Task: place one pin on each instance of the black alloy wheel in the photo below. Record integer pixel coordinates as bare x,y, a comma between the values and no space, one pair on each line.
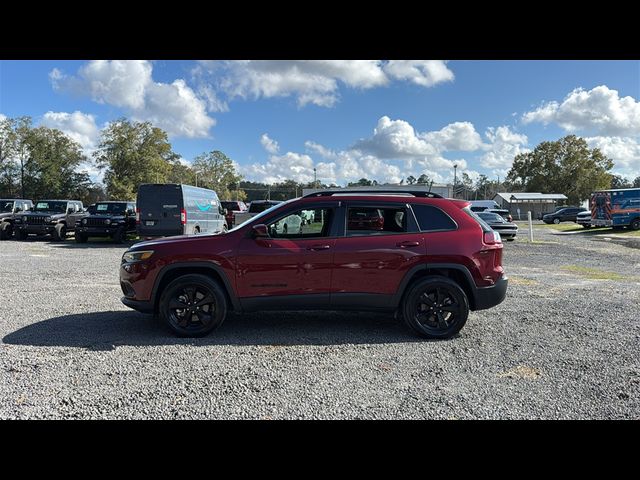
635,225
193,305
436,307
556,220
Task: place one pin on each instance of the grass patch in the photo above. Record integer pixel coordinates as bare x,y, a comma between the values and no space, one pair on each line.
593,273
561,227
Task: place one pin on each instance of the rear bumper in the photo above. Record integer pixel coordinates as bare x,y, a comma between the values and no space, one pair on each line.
487,297
142,307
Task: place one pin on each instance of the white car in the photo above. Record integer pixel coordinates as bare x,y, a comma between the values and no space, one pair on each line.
290,224
584,219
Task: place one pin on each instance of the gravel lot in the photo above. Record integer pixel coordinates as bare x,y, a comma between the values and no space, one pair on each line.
564,344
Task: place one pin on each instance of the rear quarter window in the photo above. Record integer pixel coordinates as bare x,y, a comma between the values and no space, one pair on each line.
432,218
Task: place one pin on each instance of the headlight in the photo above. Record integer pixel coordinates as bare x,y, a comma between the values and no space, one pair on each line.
136,256
48,220
24,219
84,221
107,222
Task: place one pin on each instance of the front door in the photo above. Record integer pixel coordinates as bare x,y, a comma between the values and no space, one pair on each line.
293,264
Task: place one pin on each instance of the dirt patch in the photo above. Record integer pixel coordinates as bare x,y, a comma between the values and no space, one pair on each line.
521,371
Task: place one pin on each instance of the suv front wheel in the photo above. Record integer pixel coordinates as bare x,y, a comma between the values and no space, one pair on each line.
193,305
435,307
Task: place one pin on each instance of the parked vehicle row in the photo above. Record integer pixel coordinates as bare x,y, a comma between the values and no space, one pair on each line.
10,209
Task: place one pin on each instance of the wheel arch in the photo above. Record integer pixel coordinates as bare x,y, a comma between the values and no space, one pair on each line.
173,271
458,273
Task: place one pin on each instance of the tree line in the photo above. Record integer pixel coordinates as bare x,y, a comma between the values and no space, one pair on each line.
40,162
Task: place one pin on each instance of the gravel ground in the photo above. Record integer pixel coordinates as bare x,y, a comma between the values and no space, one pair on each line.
564,344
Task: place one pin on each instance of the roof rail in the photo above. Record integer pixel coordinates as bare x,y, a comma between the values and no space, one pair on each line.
347,191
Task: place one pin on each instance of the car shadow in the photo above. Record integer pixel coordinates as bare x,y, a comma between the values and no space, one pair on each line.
107,330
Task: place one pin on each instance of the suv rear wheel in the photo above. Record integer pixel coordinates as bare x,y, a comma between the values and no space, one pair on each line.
556,220
435,307
81,238
120,235
635,225
193,305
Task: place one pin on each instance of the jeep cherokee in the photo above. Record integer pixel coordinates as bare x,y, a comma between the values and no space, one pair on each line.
428,258
49,217
113,219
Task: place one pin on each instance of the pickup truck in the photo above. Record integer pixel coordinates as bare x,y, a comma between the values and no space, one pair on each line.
256,207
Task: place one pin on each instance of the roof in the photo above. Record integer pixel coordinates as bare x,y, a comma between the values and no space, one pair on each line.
509,196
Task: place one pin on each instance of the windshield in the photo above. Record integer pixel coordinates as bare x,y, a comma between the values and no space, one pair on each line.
491,217
108,208
262,214
56,207
6,207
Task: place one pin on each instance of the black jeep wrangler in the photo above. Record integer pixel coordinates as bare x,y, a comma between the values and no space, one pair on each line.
49,217
107,219
9,209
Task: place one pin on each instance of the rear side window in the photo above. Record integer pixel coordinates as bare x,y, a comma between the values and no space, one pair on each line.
432,218
376,221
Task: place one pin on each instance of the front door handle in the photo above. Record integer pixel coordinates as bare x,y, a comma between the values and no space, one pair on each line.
407,244
314,248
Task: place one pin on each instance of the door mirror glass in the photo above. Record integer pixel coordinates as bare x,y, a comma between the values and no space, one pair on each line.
260,231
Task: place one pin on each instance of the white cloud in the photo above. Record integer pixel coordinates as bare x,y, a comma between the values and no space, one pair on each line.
314,81
395,139
624,151
600,110
269,145
503,146
460,136
128,84
278,168
426,73
80,127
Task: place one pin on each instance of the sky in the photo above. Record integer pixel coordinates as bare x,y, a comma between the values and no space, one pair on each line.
379,119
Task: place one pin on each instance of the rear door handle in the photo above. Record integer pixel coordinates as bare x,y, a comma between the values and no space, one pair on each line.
319,247
407,244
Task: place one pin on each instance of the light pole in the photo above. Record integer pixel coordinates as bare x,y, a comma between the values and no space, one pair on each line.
455,178
315,178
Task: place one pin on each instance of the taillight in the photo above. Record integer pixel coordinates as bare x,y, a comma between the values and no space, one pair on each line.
491,238
137,216
183,216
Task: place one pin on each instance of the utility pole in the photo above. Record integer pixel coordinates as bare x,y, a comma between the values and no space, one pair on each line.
455,178
315,178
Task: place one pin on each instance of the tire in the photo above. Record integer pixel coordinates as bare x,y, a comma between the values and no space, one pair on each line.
424,295
20,235
196,230
60,233
6,231
120,235
186,290
586,226
635,225
81,238
510,239
556,220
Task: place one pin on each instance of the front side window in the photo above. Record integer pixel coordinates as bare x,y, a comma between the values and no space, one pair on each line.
376,220
307,223
6,207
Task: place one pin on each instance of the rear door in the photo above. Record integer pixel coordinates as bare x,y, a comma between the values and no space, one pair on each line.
160,207
381,244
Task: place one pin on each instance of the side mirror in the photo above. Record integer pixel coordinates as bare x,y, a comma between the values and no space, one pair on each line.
260,231
18,209
70,210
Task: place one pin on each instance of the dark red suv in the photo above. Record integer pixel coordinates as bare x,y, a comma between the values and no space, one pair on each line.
429,258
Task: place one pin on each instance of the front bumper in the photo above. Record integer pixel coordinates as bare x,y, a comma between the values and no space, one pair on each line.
45,229
140,306
487,297
97,231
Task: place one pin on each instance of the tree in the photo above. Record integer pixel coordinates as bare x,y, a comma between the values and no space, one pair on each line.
618,181
9,171
50,168
566,166
132,154
424,179
363,182
218,173
636,182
